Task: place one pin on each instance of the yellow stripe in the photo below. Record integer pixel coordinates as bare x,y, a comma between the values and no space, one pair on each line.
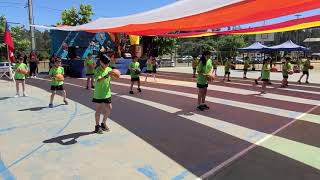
289,28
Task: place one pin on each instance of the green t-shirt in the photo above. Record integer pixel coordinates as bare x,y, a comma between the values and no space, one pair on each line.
102,88
227,66
265,74
112,63
54,71
134,66
202,71
195,63
149,66
246,64
286,68
306,66
17,74
87,62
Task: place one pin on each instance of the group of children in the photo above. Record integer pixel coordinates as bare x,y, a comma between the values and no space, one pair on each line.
100,77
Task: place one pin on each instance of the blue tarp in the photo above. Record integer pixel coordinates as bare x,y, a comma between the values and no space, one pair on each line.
287,46
254,47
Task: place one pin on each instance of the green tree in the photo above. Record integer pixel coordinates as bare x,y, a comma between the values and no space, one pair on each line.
164,45
18,34
73,17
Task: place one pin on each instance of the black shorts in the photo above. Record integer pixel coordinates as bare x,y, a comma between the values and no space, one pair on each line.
149,71
202,86
215,69
112,67
264,79
106,101
305,72
20,79
154,70
89,74
227,73
57,88
245,70
135,79
285,77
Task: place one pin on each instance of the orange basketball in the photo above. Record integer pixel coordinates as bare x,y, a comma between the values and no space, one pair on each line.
115,74
274,69
59,77
311,67
210,77
23,71
92,66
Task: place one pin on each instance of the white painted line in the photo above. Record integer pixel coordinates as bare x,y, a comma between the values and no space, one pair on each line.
243,105
295,150
245,92
289,145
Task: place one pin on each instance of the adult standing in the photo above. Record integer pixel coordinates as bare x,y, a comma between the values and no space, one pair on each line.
33,64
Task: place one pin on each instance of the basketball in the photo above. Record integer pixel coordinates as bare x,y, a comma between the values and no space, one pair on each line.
59,77
23,71
311,67
92,66
210,77
115,74
274,69
137,71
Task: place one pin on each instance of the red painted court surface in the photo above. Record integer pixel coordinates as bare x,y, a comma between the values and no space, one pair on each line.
244,135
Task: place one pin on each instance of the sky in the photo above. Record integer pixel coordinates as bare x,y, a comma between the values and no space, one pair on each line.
47,12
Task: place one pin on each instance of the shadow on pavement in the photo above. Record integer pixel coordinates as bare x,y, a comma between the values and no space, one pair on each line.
71,138
38,108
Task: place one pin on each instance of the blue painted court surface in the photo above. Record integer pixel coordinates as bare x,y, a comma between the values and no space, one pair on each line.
158,134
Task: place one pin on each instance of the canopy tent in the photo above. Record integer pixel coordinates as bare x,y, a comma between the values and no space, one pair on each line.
296,24
288,46
195,15
257,46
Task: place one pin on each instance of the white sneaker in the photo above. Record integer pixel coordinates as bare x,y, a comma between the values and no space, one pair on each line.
17,95
25,95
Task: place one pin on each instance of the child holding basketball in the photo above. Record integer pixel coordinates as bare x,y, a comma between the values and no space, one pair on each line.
21,70
134,68
56,74
305,69
195,63
246,66
102,93
90,65
265,74
286,70
204,70
149,68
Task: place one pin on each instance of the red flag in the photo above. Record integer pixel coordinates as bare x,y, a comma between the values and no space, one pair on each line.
9,42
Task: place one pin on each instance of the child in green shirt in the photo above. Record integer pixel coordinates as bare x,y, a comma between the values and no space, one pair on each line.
227,66
246,66
265,74
286,69
90,65
134,68
56,84
20,77
204,69
305,69
215,65
195,63
150,68
102,93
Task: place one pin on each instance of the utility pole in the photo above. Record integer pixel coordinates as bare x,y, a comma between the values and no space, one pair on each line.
30,12
297,38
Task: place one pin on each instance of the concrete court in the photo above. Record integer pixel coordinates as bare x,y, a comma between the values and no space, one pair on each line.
159,135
